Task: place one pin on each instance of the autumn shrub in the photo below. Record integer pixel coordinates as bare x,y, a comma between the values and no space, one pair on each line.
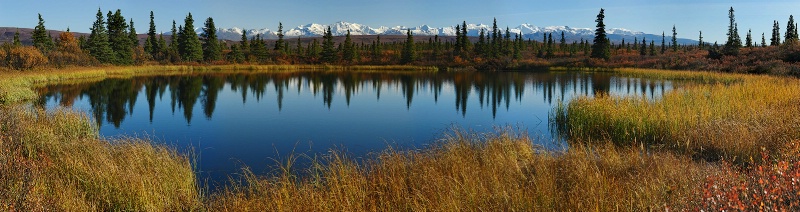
24,57
771,186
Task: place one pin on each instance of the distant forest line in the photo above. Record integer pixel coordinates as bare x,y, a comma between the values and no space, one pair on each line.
113,40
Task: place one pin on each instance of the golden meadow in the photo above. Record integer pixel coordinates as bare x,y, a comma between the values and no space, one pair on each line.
715,143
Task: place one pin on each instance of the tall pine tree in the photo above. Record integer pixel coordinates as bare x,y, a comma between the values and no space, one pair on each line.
41,39
212,50
408,55
791,32
151,44
98,45
349,51
600,47
734,42
280,42
189,45
748,40
329,54
776,34
674,39
119,38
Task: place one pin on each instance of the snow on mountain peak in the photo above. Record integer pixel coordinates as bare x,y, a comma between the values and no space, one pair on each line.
340,28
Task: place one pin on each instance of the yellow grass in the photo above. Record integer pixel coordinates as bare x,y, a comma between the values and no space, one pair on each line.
54,161
477,172
735,118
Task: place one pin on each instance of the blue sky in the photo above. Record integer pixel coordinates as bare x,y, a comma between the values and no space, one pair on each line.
689,16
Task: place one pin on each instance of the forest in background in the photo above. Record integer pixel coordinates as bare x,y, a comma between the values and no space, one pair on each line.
114,41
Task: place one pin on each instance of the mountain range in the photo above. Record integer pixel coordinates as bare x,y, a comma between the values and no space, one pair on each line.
528,31
309,31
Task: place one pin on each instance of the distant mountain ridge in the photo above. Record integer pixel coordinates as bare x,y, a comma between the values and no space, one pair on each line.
529,31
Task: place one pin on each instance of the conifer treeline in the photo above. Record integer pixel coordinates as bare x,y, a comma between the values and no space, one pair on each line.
113,40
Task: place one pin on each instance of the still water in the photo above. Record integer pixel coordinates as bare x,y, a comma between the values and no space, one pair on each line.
233,120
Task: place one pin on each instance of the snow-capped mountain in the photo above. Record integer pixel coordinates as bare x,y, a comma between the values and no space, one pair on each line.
528,31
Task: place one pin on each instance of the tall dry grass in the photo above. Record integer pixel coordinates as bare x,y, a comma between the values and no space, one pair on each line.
735,119
54,161
476,172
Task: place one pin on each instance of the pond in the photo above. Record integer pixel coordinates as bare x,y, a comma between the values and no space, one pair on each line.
252,119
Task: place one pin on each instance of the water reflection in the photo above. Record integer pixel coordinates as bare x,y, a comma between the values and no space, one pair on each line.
248,118
114,99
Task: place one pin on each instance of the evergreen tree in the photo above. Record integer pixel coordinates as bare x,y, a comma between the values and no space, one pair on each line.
643,47
776,38
16,41
313,49
119,38
479,48
299,48
408,55
151,44
518,44
763,40
663,44
134,38
189,45
791,32
550,47
652,48
377,49
279,43
700,42
674,39
749,40
243,45
212,50
348,53
173,38
495,46
162,47
563,42
600,47
465,43
458,44
734,42
98,45
41,39
329,54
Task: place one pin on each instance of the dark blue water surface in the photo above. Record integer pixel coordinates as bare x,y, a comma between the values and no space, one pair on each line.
232,120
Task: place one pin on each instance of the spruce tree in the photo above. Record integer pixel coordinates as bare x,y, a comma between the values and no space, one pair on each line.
16,41
791,36
776,37
189,45
465,43
763,40
749,40
119,38
313,49
674,39
563,42
663,44
151,44
652,48
243,43
212,50
643,47
329,54
700,42
41,39
134,38
98,45
348,53
479,48
458,47
408,55
280,42
734,42
600,47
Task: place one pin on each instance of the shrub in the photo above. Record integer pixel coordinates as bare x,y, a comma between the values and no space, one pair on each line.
24,57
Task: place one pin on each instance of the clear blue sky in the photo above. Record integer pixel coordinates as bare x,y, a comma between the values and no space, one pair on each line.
690,16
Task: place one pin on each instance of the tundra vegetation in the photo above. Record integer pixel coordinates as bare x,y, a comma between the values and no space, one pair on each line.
724,142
